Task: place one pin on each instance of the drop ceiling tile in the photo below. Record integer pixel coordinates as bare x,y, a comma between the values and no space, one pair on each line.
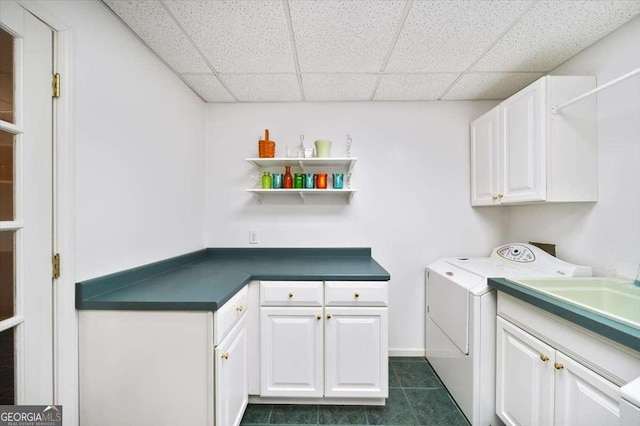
263,87
338,87
344,36
489,85
413,87
153,25
238,36
553,31
208,87
447,36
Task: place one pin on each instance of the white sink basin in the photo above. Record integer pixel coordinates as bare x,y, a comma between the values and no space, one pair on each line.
614,298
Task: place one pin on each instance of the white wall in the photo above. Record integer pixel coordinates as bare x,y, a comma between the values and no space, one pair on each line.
139,136
606,234
412,176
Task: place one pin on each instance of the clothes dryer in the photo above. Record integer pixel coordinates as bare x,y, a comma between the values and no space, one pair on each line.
461,320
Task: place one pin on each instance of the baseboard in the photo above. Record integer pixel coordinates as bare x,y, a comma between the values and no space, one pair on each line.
408,352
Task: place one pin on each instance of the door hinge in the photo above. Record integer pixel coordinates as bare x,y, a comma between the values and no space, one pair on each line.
55,85
55,263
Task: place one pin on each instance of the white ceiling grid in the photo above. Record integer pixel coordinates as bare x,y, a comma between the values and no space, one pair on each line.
360,50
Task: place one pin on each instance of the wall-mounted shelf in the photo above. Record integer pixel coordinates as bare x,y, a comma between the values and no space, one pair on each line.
345,163
312,165
348,193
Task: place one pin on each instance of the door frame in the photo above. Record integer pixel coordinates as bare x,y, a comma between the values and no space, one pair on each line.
65,317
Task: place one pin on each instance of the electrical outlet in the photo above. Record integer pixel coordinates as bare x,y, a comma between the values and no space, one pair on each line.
253,236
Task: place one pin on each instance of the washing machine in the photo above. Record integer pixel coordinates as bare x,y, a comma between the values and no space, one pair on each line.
461,320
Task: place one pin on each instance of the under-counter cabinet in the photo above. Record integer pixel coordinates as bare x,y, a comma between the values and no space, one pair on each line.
538,385
523,153
164,367
326,341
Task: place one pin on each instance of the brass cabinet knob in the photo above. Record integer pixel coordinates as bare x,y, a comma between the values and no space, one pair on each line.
494,198
328,316
544,357
290,295
318,317
356,294
239,308
225,355
500,196
558,366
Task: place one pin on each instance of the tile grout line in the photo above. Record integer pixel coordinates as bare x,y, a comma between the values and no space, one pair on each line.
392,46
482,55
294,49
195,46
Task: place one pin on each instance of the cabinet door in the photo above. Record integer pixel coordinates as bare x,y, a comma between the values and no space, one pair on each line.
583,397
291,341
232,384
484,159
356,352
524,377
523,145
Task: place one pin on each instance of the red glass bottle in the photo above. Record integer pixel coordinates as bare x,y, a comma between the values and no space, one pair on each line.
288,179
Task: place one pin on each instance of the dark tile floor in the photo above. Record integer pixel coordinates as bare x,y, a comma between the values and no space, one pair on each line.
416,397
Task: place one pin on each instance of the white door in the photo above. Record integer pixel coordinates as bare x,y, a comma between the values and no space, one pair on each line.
291,348
584,398
356,359
524,377
232,382
26,214
484,159
523,145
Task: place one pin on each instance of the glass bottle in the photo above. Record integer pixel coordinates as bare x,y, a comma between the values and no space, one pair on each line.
266,180
288,179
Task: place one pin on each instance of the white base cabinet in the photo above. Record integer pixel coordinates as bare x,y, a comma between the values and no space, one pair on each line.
334,347
522,153
151,368
291,351
538,385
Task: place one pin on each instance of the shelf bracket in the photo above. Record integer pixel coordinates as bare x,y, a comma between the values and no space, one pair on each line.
301,197
257,194
301,164
350,197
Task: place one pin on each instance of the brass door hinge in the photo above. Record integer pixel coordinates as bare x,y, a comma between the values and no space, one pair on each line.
55,263
55,84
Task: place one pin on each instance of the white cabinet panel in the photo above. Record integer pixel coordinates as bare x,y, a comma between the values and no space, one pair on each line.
484,158
356,352
291,293
291,341
584,398
524,380
356,293
524,145
232,393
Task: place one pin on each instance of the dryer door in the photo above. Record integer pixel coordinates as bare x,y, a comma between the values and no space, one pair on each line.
448,303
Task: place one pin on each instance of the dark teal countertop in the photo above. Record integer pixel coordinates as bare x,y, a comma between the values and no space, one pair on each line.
614,330
206,279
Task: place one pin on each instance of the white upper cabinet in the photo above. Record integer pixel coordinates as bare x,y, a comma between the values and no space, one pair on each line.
522,153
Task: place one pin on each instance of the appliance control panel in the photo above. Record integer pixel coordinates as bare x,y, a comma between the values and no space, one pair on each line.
516,253
535,258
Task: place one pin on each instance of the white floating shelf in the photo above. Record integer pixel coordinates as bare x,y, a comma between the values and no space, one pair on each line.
346,163
303,192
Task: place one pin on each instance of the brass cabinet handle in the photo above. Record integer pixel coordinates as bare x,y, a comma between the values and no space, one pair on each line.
328,316
558,366
544,358
318,317
290,295
225,355
239,308
356,294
